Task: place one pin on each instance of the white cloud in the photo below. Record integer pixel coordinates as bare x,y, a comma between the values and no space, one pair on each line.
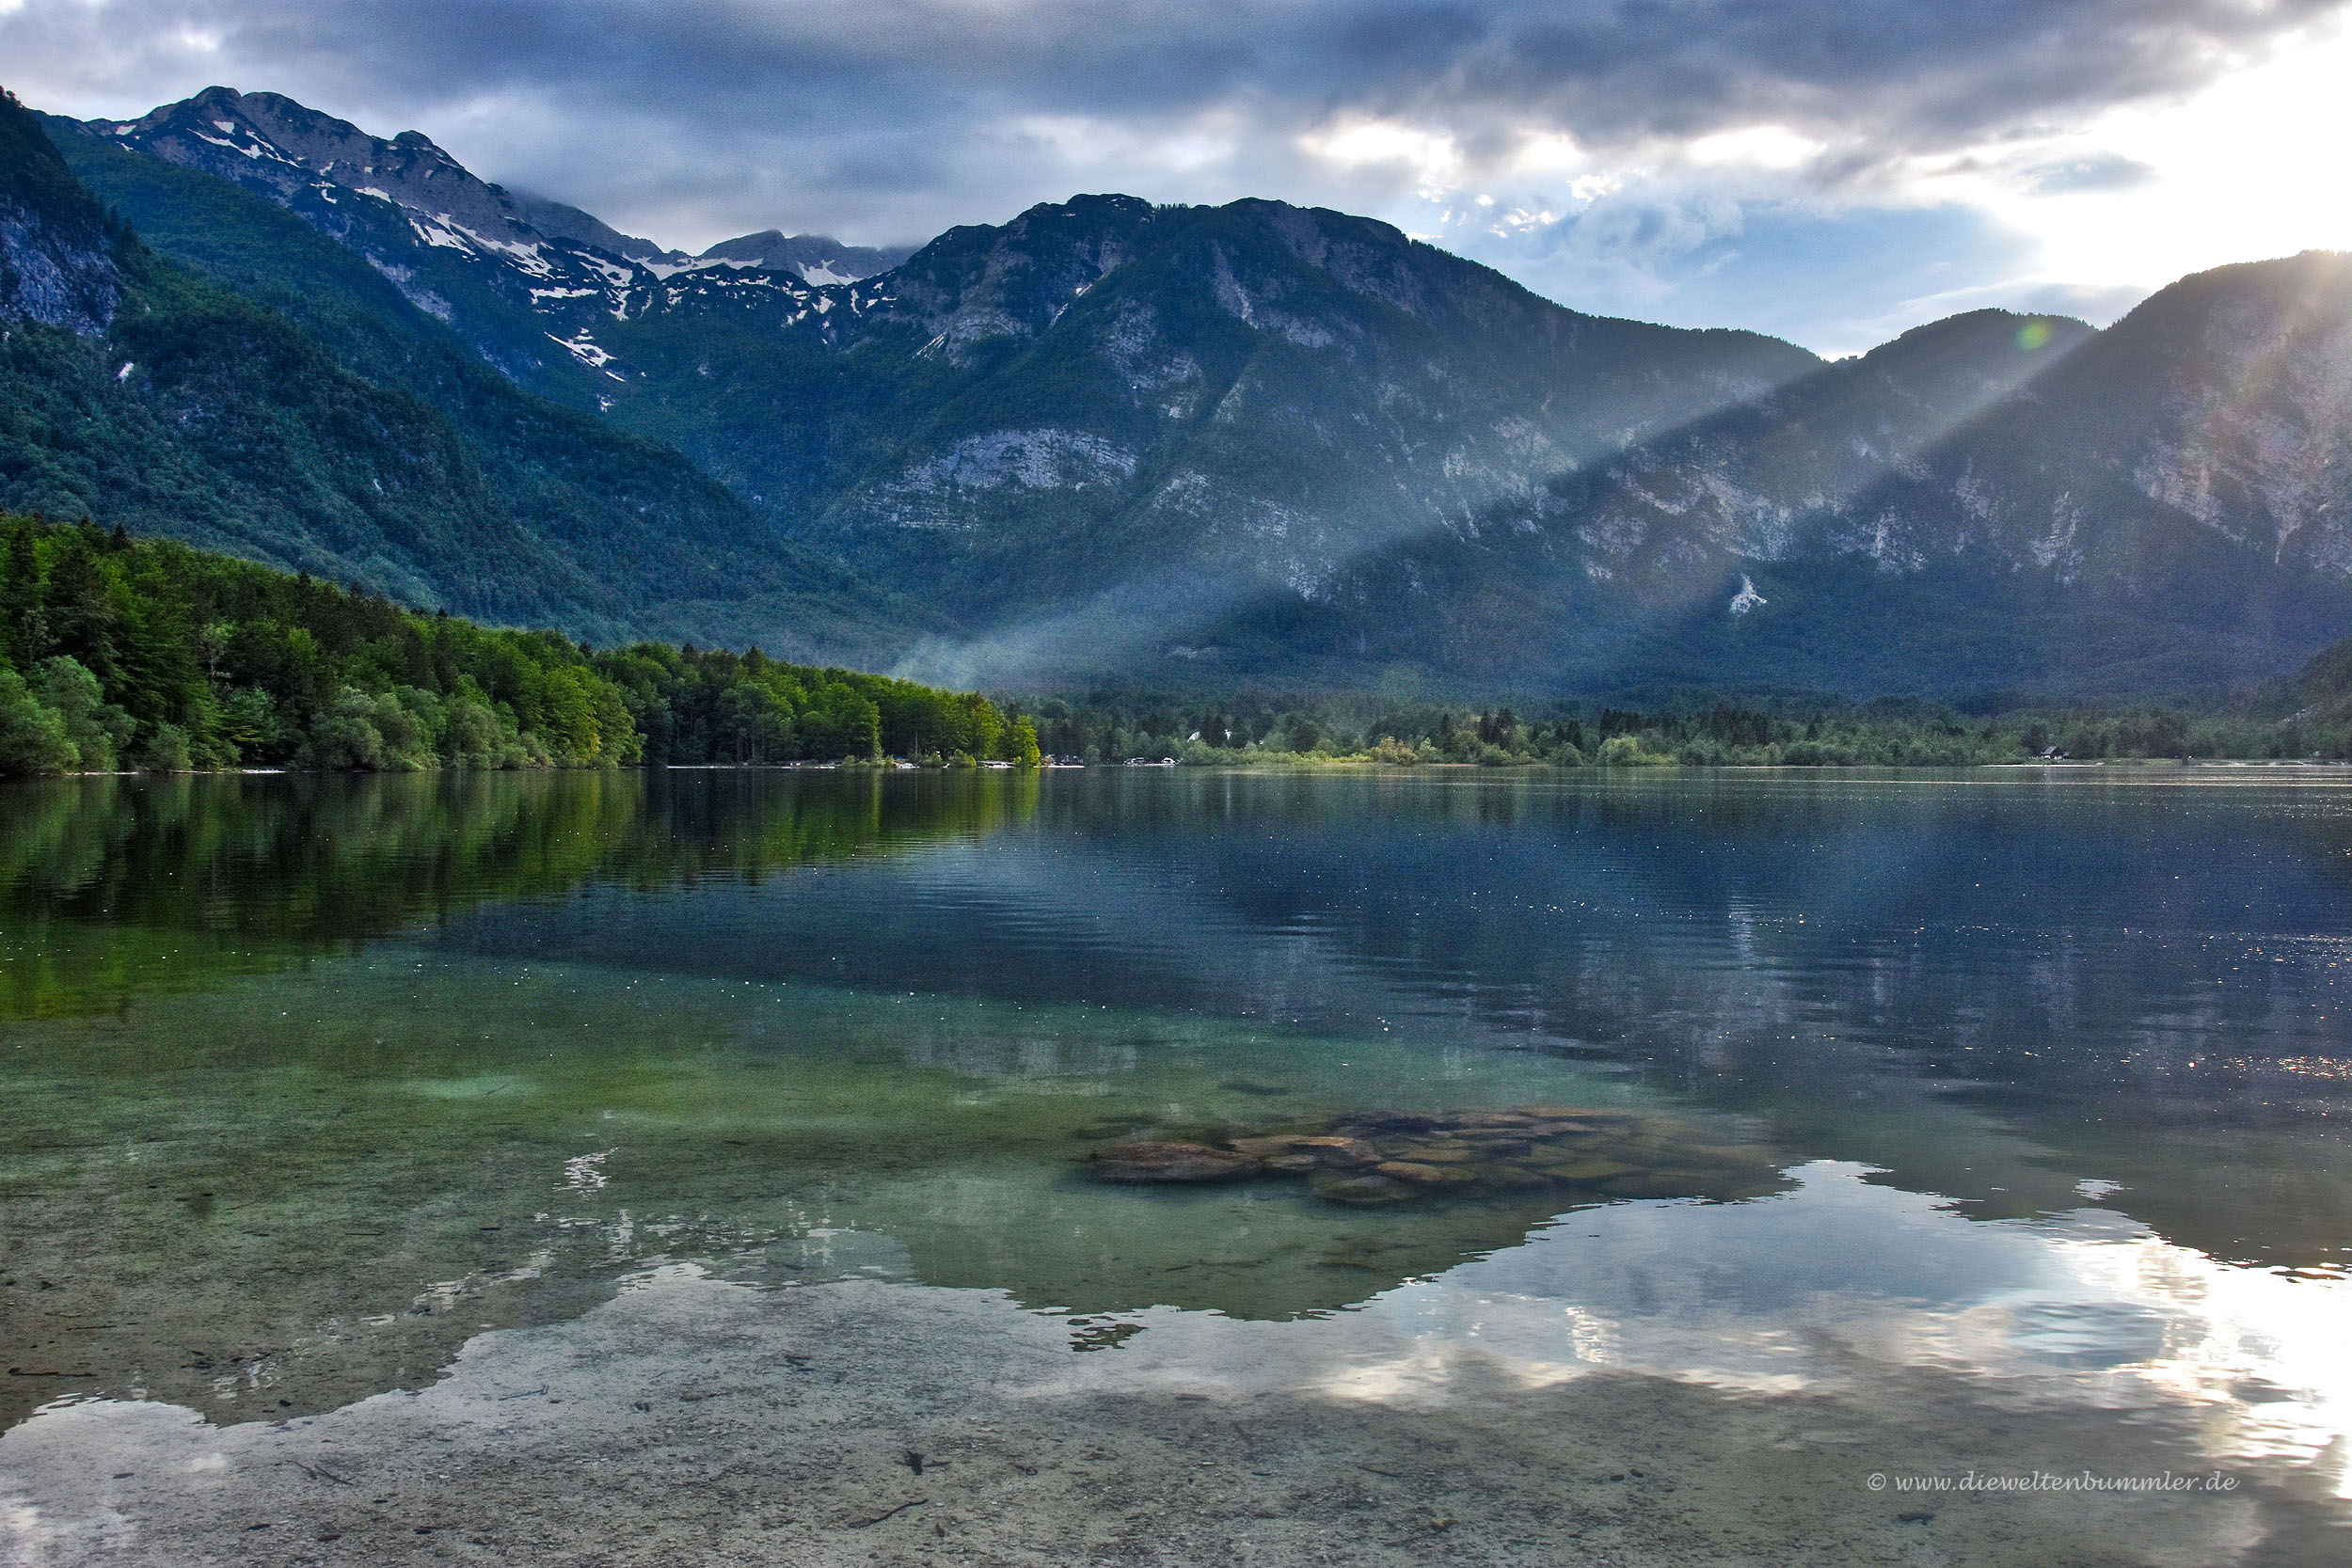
1430,161
2250,166
1761,147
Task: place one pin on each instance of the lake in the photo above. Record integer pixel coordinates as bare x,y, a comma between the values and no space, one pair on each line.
1668,1167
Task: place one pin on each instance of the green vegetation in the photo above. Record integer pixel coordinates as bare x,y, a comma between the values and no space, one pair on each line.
117,652
722,707
2310,718
129,653
145,653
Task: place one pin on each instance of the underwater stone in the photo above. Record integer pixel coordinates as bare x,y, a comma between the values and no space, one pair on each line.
1363,1192
1171,1162
1422,1175
1368,1158
1340,1154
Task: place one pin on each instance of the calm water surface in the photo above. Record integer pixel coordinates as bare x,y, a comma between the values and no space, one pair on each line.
308,1081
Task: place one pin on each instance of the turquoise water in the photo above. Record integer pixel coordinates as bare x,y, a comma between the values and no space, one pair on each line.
310,1081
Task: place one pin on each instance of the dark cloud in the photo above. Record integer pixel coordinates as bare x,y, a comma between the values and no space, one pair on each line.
889,119
1901,73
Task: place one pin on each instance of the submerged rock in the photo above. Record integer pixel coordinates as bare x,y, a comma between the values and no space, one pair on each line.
1422,1175
1359,1192
1286,1150
1368,1158
1170,1162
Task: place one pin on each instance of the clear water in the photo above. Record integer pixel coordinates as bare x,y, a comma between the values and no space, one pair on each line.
310,1082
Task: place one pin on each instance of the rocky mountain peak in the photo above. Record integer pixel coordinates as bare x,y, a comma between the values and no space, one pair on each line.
813,257
2227,396
560,220
269,141
530,281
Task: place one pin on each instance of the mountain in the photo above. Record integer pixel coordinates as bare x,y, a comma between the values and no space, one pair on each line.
1988,503
1182,445
1072,435
527,281
813,257
135,393
352,436
1082,431
455,248
559,220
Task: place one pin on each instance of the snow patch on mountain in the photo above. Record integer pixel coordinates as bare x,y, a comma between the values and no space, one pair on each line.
588,352
562,265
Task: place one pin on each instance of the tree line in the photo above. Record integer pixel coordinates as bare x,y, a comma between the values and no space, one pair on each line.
121,653
143,653
2298,721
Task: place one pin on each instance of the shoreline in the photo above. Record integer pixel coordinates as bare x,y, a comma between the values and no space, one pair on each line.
892,765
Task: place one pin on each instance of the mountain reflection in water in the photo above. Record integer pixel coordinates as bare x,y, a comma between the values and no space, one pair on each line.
311,1079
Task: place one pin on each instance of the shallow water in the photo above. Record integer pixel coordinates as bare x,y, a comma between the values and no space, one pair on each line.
316,1088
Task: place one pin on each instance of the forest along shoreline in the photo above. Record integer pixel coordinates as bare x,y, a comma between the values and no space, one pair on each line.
120,654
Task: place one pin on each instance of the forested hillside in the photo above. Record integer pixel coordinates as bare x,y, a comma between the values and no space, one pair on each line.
121,652
286,403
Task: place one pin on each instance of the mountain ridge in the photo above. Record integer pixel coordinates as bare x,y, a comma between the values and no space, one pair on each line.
1109,439
59,251
1020,389
524,277
816,258
2030,542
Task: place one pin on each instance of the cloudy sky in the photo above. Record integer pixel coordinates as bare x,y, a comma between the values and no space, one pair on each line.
1831,171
